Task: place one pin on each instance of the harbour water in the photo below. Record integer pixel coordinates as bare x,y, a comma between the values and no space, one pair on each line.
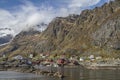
75,73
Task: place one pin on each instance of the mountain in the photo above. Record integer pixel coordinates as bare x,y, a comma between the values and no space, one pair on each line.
94,31
6,34
5,39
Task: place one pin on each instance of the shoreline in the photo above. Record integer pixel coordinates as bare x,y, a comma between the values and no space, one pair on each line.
56,71
95,66
87,66
33,70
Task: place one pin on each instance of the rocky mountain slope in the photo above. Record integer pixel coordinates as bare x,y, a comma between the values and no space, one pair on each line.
94,31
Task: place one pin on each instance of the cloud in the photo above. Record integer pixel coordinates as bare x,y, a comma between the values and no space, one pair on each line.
28,15
83,3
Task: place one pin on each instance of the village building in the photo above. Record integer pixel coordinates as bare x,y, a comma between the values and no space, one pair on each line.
18,57
81,59
31,56
92,57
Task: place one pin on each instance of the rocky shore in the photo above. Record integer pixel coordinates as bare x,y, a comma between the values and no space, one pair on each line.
41,70
34,71
109,64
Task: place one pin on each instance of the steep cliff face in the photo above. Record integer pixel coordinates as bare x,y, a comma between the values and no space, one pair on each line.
108,34
82,33
94,31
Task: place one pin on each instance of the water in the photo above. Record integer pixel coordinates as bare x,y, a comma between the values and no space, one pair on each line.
10,75
78,73
84,74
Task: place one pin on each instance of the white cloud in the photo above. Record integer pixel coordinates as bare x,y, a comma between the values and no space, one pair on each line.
28,15
6,32
82,3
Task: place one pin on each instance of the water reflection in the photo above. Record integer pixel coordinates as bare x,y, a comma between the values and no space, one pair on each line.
78,73
84,74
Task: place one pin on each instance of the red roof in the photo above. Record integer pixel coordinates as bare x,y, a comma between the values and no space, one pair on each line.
61,61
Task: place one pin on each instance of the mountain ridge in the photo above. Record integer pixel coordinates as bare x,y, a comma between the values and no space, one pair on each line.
92,32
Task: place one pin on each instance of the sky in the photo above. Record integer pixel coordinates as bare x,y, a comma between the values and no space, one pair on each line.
22,14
